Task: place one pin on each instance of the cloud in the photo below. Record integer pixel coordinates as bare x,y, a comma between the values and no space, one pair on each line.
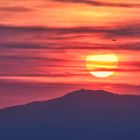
14,9
72,71
58,46
39,51
132,30
123,31
20,29
23,45
99,3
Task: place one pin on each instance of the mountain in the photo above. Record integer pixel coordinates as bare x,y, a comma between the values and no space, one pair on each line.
79,115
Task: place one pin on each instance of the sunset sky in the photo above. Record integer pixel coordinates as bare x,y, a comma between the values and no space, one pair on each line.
44,45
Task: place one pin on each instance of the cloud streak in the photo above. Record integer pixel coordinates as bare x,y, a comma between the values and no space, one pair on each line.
14,9
71,46
100,3
129,30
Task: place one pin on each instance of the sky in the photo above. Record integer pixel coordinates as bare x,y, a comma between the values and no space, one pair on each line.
44,45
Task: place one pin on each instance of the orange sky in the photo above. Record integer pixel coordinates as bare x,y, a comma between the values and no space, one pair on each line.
66,13
47,41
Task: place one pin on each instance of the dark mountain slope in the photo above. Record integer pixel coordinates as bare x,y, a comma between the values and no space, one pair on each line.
80,115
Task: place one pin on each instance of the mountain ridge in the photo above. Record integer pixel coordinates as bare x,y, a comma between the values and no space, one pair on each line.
79,92
78,115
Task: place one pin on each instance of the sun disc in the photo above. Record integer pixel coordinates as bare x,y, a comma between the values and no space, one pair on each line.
102,65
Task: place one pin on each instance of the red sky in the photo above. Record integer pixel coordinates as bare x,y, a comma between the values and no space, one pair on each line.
44,45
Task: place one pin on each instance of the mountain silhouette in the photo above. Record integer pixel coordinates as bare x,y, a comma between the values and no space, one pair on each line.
79,115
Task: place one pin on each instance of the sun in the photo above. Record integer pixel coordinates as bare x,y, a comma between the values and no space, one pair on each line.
102,65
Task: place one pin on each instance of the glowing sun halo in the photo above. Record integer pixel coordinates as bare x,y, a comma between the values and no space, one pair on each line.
102,65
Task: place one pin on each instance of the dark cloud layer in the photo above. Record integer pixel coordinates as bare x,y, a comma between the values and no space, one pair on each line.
99,3
130,30
71,46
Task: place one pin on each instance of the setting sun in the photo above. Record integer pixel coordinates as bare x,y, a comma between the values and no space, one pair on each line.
102,65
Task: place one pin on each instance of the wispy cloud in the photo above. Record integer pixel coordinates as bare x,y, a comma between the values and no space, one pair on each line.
14,9
100,3
125,30
62,36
